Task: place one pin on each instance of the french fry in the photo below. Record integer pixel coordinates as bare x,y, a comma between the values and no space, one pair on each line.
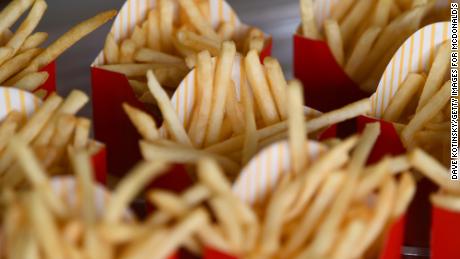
233,111
26,28
139,37
174,126
361,50
197,20
406,92
197,42
222,79
250,133
17,63
278,85
297,129
111,50
31,81
433,107
34,41
166,20
127,50
82,132
205,81
341,9
226,31
435,78
259,85
446,201
146,55
309,28
153,35
334,40
143,122
11,13
63,43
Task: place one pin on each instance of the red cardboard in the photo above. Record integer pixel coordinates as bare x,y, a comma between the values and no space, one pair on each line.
392,245
445,238
99,161
326,85
210,253
111,124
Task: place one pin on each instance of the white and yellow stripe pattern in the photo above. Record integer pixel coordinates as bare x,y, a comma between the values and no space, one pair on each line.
265,170
18,100
415,55
135,12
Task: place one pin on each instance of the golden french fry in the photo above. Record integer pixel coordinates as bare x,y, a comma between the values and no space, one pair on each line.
166,23
32,81
175,128
405,193
139,87
63,43
185,155
433,170
428,112
259,85
296,127
222,77
153,34
82,131
334,40
197,42
250,131
11,13
436,76
233,111
309,28
15,64
143,122
278,84
197,20
127,51
130,187
382,13
139,37
34,41
111,50
145,55
446,201
226,31
385,201
341,8
205,82
349,24
361,51
305,227
349,238
28,25
133,70
406,92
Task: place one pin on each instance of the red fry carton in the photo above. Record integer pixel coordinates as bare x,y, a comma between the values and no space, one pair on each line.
327,85
445,227
415,55
111,89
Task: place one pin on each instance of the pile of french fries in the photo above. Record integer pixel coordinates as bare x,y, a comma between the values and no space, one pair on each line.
21,52
229,129
168,44
39,222
364,35
51,131
421,105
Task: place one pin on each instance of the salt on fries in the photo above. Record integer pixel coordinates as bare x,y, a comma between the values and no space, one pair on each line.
51,131
21,54
364,35
169,44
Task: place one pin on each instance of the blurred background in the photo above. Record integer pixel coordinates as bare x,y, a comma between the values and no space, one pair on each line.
276,17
